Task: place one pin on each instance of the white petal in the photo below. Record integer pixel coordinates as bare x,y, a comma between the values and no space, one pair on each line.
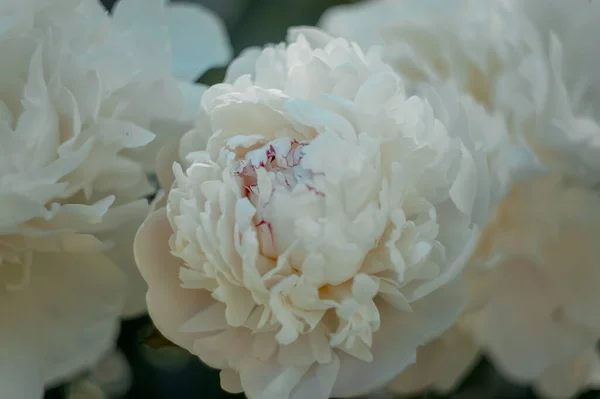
22,376
169,305
521,326
199,40
122,256
76,307
395,344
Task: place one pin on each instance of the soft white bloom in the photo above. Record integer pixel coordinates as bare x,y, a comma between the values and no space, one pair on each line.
542,289
76,100
493,51
576,26
318,223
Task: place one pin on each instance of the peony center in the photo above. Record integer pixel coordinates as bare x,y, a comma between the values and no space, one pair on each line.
275,166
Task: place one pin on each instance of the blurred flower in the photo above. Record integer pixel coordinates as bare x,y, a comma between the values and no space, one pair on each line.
113,374
543,292
575,24
77,100
317,226
109,378
494,52
570,378
541,289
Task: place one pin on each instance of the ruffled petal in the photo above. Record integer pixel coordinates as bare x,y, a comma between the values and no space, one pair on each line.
394,345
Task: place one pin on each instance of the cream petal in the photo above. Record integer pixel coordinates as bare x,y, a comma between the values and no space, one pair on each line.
199,40
318,382
577,288
21,377
521,326
270,381
244,64
77,301
441,364
395,344
567,379
169,305
165,159
122,256
230,381
192,99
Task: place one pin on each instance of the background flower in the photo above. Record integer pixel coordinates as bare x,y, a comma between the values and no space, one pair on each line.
521,70
495,53
541,310
71,112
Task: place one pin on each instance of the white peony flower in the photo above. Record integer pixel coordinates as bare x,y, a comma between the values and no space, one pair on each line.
75,99
316,229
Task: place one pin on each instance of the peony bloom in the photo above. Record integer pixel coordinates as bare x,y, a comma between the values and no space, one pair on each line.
540,248
76,101
318,220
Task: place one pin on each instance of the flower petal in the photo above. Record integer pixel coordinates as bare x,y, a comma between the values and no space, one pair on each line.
199,40
122,256
21,377
77,301
400,333
169,305
521,326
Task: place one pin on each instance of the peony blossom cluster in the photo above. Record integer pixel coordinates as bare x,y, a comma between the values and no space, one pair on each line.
369,206
80,103
534,276
318,218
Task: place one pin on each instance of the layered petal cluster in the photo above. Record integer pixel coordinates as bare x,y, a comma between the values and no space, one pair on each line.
77,100
529,62
319,220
